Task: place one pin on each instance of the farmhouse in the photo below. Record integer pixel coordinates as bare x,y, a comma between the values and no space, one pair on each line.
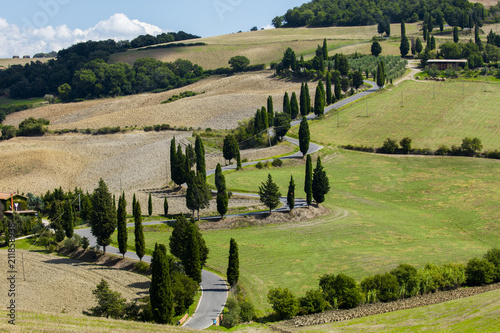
11,202
443,64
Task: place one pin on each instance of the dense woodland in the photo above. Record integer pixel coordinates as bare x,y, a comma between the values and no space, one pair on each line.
325,13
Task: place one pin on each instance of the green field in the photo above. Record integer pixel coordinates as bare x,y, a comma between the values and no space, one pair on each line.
430,113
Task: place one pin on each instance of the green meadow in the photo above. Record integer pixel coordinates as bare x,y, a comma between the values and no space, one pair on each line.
430,113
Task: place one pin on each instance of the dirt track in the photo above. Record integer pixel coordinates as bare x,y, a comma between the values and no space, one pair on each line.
56,284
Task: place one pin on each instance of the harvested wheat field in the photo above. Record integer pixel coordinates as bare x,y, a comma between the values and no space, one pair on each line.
223,102
60,285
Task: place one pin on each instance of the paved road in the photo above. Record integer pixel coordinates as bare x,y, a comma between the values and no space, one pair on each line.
214,288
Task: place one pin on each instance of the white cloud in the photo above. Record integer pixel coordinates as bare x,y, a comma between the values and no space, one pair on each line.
16,41
269,26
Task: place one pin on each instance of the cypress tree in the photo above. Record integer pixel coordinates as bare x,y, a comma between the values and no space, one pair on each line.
114,201
165,206
404,47
191,260
178,238
122,225
308,180
433,43
103,217
477,39
238,161
233,266
290,197
173,162
150,205
329,94
403,28
200,158
294,106
424,32
308,98
133,205
198,195
257,122
304,136
270,111
265,120
222,203
220,180
325,50
190,156
338,88
180,163
303,99
222,198
140,245
286,104
455,34
230,148
319,100
160,291
380,74
418,45
320,183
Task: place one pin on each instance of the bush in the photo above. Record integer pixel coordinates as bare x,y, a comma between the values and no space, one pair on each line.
313,302
72,243
247,312
493,256
232,315
389,146
85,243
259,165
408,281
471,146
385,286
283,302
277,163
33,127
342,290
479,272
442,150
141,266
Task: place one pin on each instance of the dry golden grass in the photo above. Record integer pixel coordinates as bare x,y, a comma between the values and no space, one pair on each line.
10,62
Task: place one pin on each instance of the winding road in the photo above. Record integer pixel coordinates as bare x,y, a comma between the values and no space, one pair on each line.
214,288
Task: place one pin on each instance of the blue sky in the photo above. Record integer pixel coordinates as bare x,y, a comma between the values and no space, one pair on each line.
31,26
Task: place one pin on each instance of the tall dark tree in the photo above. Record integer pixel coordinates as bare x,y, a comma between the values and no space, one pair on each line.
198,195
304,136
165,206
357,79
403,28
258,124
190,156
433,43
325,50
308,98
180,166
222,203
233,266
270,111
160,290
294,106
265,120
289,59
308,180
418,45
140,244
320,183
286,104
220,180
404,47
303,100
440,21
103,218
380,74
222,198
150,205
238,160
425,33
68,219
376,49
290,197
230,148
281,125
178,238
191,256
455,35
338,88
173,162
269,194
122,224
477,39
319,100
200,158
329,93
134,201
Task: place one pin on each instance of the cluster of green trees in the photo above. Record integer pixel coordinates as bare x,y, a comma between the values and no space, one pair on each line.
146,40
343,292
325,13
28,127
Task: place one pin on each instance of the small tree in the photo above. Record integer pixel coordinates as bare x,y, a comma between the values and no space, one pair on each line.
376,49
389,146
233,266
269,194
103,218
308,98
304,136
308,180
455,35
173,163
283,302
290,197
320,183
294,106
140,244
160,291
239,63
165,206
471,146
479,272
406,144
109,303
150,205
286,104
230,148
122,225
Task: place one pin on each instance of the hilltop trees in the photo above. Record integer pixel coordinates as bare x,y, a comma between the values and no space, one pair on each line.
233,266
103,218
269,194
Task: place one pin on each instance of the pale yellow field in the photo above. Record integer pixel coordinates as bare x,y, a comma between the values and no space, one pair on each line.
10,62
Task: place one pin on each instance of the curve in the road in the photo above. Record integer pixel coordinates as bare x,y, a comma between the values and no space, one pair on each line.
214,288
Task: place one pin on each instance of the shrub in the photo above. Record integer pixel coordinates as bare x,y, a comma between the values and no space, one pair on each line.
479,272
232,315
406,144
389,146
313,302
259,165
247,312
442,150
283,302
471,146
277,163
385,285
493,256
72,243
141,266
33,127
85,243
341,289
407,279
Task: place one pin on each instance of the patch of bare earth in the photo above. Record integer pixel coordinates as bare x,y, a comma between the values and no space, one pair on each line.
223,102
55,284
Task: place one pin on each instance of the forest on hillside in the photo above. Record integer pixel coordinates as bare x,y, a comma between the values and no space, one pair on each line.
325,13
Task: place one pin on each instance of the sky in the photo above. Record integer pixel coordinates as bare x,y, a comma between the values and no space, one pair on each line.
32,26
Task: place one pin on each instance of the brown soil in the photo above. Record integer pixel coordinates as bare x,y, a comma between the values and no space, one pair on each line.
60,285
